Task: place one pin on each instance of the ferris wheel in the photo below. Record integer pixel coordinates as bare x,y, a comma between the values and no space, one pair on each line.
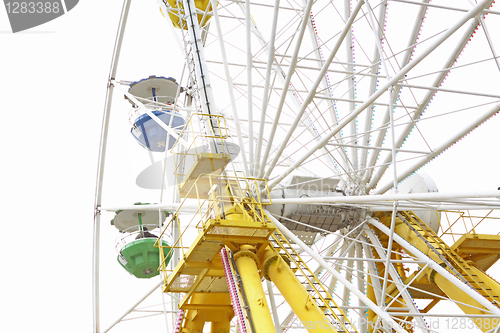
287,161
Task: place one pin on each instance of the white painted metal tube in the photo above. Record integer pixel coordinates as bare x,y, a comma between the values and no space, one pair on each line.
265,98
230,87
441,148
382,314
433,196
396,279
249,70
286,84
272,62
406,59
435,266
424,102
398,76
134,306
342,161
351,82
365,138
272,300
312,91
454,91
100,167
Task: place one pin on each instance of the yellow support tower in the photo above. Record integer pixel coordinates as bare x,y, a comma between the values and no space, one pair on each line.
415,231
248,267
236,223
303,305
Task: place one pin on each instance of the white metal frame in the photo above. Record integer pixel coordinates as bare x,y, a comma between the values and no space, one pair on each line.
362,167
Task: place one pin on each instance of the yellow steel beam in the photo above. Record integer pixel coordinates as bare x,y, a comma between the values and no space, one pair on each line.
238,239
237,220
295,294
464,302
212,265
430,305
193,287
207,307
247,264
467,304
220,327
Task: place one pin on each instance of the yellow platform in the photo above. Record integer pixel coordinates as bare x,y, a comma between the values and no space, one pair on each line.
201,270
483,250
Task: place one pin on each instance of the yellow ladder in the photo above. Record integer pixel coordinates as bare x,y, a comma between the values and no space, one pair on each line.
453,261
314,286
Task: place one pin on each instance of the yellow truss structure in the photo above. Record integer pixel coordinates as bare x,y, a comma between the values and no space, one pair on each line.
428,284
220,273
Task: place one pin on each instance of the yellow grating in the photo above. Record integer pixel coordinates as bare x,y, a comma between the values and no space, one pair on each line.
213,285
483,250
182,283
235,231
205,251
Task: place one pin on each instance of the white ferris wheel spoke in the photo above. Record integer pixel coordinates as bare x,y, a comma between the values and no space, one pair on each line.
398,76
438,150
423,104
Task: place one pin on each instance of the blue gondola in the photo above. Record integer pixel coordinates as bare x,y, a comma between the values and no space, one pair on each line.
160,91
151,135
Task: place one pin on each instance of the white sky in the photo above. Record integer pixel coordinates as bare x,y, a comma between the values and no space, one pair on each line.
53,88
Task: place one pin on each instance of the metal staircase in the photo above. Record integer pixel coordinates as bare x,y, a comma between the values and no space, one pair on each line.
454,262
318,291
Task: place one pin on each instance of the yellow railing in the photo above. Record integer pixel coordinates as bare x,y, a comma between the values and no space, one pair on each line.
197,140
455,224
229,193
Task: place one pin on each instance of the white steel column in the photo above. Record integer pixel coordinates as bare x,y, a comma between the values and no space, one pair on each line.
385,66
348,275
134,306
100,166
346,246
372,270
406,59
351,80
374,70
308,124
396,279
248,20
360,275
276,319
327,92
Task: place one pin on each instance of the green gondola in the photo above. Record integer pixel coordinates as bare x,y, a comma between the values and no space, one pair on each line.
141,258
